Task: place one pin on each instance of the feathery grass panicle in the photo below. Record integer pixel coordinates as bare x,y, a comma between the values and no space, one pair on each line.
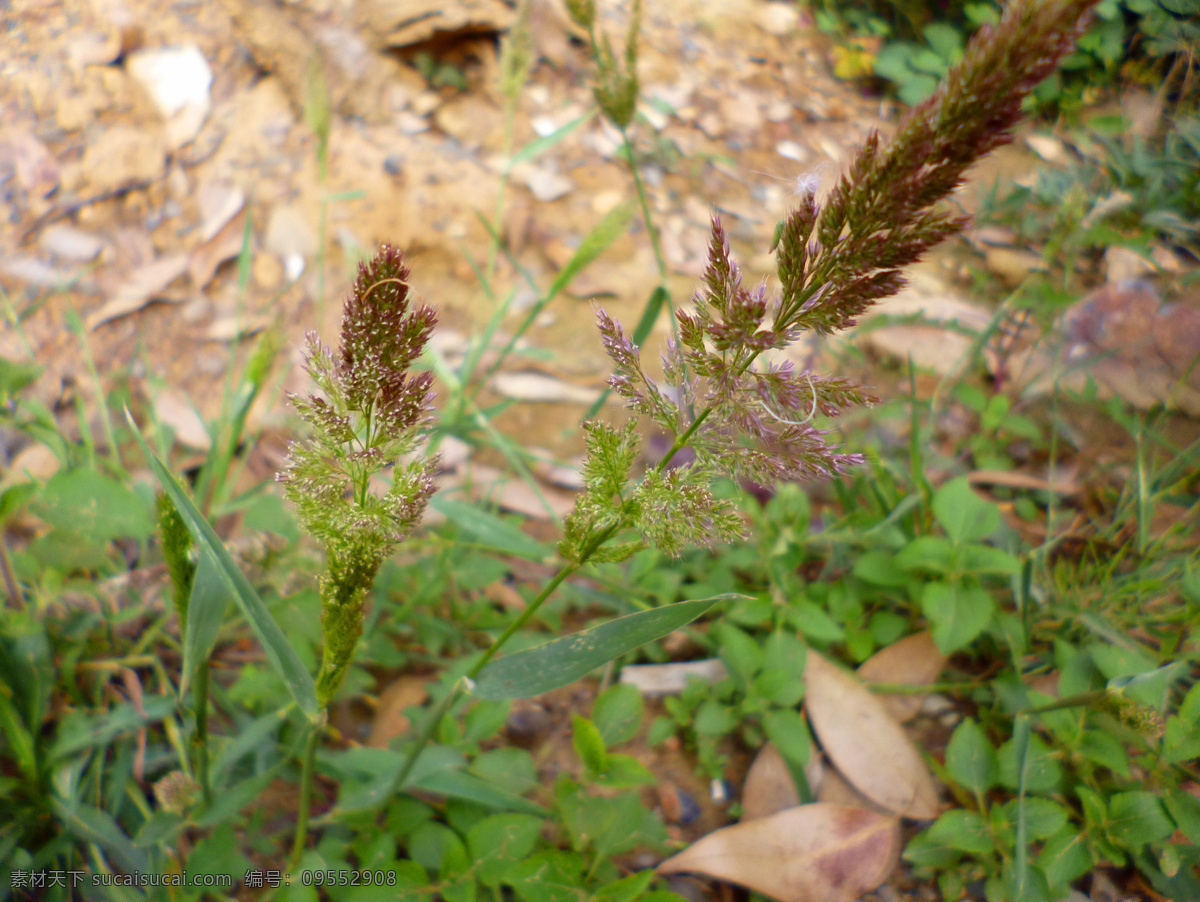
369,418
834,260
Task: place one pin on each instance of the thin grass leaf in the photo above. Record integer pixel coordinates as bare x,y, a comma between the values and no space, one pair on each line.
205,613
249,737
91,825
539,146
596,242
20,740
101,729
488,529
279,651
1021,850
460,784
368,775
565,660
611,227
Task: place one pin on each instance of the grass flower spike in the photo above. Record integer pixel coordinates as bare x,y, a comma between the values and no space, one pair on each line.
368,420
835,259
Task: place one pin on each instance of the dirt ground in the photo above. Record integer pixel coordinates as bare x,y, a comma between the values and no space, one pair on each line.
130,212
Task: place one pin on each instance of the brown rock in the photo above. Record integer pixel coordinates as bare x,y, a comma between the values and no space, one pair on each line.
122,156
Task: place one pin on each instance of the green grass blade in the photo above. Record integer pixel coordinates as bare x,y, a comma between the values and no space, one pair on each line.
565,660
20,740
459,784
596,242
279,651
613,225
92,825
206,611
1021,850
539,146
490,530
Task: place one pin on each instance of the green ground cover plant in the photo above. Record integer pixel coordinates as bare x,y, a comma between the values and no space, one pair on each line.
910,46
1046,788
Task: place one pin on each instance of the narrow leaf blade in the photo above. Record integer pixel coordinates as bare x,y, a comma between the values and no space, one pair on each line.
279,652
206,610
562,661
596,242
539,146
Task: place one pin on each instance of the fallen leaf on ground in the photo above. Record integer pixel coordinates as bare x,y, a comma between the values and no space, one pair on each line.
532,386
32,271
235,328
836,791
174,409
812,853
507,493
140,288
225,245
37,171
390,720
866,743
219,202
402,22
913,661
70,243
1063,482
656,680
769,787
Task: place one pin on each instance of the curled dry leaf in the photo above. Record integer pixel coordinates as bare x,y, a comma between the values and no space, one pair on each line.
1062,481
866,743
226,244
235,328
657,680
769,786
390,719
811,853
913,661
534,386
219,202
836,791
140,287
511,495
37,171
173,409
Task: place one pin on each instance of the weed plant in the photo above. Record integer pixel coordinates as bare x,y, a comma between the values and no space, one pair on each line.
1047,788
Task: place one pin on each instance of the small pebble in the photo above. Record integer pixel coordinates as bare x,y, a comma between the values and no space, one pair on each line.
393,164
69,243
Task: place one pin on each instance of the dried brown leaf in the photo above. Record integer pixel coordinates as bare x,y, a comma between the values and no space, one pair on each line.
836,791
37,171
533,386
866,743
913,661
219,202
657,680
511,495
769,786
226,244
390,720
173,409
140,288
811,853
